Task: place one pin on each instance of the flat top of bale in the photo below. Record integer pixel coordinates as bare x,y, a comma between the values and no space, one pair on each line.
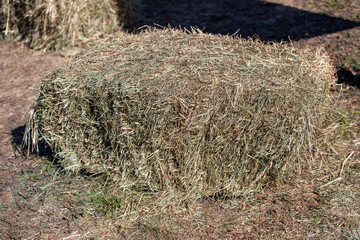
203,59
168,109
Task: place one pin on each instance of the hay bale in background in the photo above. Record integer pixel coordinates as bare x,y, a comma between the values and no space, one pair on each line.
203,114
55,24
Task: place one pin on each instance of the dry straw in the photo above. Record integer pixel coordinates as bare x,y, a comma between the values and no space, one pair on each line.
56,24
187,112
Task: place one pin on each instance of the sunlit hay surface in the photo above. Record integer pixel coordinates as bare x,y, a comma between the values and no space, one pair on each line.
195,113
56,24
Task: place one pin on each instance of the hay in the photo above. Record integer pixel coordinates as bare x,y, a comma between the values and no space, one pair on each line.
55,24
196,113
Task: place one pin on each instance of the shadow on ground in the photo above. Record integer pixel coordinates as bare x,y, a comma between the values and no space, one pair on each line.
346,76
267,21
42,150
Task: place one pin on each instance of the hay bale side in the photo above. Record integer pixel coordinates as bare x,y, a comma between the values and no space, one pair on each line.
55,24
203,114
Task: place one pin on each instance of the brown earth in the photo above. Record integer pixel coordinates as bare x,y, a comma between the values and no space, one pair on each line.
37,201
21,70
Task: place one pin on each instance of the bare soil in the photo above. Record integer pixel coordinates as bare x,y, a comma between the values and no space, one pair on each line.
21,70
39,201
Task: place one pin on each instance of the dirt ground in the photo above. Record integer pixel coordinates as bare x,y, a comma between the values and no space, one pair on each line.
37,202
21,70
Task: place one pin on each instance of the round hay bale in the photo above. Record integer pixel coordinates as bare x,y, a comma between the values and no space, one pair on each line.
55,24
192,112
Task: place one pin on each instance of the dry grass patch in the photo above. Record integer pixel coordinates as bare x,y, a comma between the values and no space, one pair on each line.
54,24
172,112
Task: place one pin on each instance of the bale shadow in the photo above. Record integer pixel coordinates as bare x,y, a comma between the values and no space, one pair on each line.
42,150
267,21
345,76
